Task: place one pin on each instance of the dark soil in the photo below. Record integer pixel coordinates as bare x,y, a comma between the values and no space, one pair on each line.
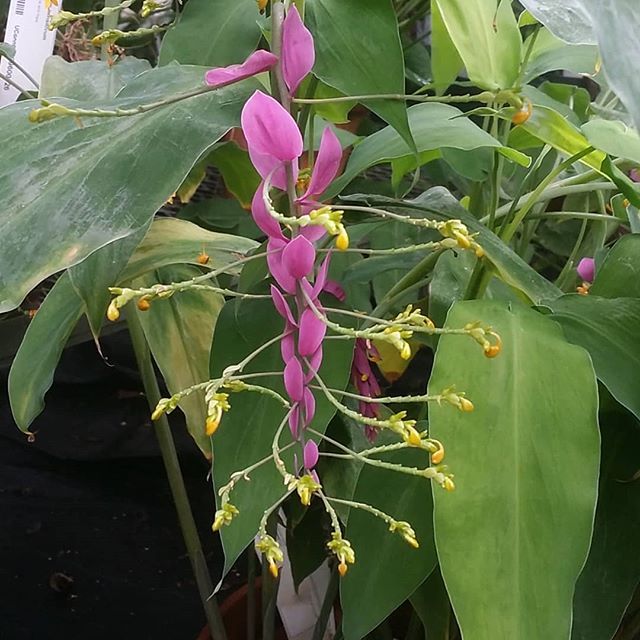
89,543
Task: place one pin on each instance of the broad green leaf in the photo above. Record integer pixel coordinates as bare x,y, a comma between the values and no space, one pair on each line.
431,602
306,543
613,137
551,128
88,80
387,570
514,535
179,331
214,33
439,204
173,241
92,278
71,190
371,63
221,214
612,571
609,330
434,126
540,98
552,54
487,38
613,26
246,433
619,274
446,63
32,370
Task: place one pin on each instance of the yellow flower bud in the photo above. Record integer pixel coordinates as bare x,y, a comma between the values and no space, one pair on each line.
342,241
342,569
448,484
273,568
203,258
438,456
412,541
113,313
262,5
144,304
492,350
212,424
413,437
466,405
521,116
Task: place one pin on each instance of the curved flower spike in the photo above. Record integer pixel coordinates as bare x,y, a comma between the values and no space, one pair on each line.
298,54
257,62
587,269
311,455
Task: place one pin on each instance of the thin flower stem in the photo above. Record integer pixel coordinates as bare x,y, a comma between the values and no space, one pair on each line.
66,17
335,522
15,85
433,246
262,529
23,71
275,449
364,507
233,370
161,291
484,96
387,399
429,472
110,22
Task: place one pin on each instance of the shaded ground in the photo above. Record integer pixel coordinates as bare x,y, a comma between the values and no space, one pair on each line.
89,542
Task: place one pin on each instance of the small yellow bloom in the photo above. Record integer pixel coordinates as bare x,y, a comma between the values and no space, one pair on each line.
466,405
113,313
144,304
438,456
342,241
413,437
342,569
212,423
262,4
448,484
48,3
273,568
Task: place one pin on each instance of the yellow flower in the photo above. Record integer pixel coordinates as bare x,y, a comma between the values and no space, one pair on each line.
48,3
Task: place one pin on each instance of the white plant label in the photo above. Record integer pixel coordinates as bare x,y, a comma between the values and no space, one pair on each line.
27,31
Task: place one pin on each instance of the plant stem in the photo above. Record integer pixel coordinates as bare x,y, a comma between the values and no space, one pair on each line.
327,605
176,481
22,70
110,22
484,96
15,85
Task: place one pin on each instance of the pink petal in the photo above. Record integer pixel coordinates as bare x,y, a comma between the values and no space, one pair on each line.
321,276
335,289
288,347
327,164
311,455
281,305
270,167
269,129
298,257
314,365
314,232
294,379
309,406
587,269
311,333
266,222
257,62
298,54
274,262
294,422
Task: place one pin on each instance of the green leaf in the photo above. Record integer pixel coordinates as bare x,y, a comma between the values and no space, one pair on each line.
71,190
371,63
612,571
515,533
179,330
33,367
446,63
306,543
246,432
173,241
619,274
434,126
88,80
239,176
387,570
609,330
552,54
487,39
431,602
551,128
214,33
221,214
439,204
613,137
7,49
92,278
613,26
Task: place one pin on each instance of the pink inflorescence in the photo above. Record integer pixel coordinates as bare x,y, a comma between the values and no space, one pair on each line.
364,380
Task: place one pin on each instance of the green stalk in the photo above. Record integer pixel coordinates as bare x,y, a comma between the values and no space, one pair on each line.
176,481
110,22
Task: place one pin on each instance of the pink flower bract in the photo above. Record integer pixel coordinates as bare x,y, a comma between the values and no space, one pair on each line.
257,62
298,54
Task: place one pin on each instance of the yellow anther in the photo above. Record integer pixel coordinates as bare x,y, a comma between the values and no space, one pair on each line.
412,541
413,437
438,456
113,313
273,569
262,5
521,116
224,516
212,423
342,569
203,258
364,377
492,350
